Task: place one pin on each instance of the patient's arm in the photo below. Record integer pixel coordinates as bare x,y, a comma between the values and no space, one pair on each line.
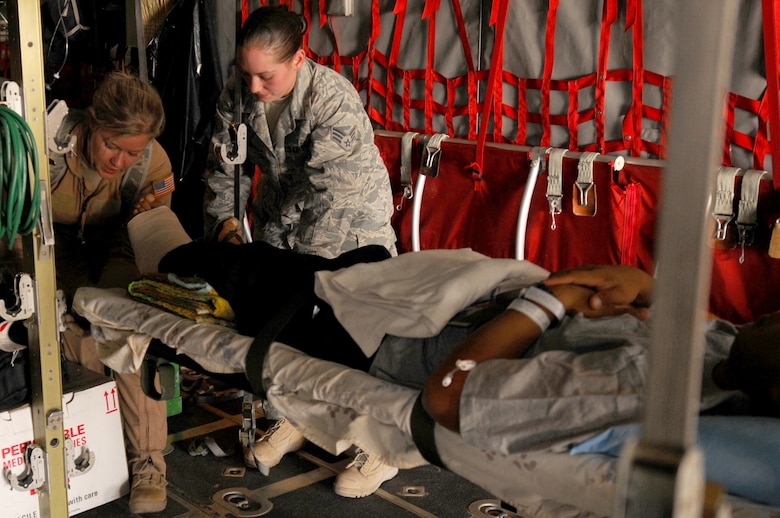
506,336
618,289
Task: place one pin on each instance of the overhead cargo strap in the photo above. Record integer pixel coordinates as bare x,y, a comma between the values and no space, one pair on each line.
429,13
400,13
747,216
549,59
493,91
608,18
635,22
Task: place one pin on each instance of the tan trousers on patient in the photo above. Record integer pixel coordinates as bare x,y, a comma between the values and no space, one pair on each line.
145,420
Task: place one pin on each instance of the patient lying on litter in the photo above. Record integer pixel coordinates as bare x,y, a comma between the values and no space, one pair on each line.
567,356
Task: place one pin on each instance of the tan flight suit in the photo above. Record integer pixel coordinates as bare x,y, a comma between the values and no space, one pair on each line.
91,249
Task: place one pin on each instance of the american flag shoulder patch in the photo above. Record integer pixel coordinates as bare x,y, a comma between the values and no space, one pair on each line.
164,186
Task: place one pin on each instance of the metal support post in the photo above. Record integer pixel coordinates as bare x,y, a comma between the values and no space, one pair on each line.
663,474
26,53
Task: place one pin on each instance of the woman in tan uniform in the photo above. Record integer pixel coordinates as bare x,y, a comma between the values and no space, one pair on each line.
115,169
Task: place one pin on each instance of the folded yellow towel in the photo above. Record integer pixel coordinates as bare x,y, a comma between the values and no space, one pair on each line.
190,298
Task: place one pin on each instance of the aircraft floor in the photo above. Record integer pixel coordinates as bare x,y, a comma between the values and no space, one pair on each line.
300,486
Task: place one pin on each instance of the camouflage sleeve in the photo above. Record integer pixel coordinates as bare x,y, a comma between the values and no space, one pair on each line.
219,197
348,183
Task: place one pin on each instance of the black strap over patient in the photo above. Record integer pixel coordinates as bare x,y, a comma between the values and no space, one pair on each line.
263,340
423,434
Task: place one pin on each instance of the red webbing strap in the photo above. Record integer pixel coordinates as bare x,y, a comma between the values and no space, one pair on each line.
665,115
406,99
400,12
429,13
307,16
522,111
244,10
380,88
771,16
728,131
497,19
470,75
549,59
323,14
371,50
574,118
608,17
761,146
634,21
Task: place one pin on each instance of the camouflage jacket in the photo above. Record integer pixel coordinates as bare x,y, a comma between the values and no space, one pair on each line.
324,187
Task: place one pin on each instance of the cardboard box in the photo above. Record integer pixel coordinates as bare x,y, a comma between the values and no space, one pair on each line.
91,420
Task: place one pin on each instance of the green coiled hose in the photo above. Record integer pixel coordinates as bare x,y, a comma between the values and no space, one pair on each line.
18,159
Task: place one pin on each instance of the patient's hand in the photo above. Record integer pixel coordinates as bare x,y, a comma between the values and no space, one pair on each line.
146,202
616,289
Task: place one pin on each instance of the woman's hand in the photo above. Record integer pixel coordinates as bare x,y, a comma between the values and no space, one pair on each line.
146,202
615,289
230,232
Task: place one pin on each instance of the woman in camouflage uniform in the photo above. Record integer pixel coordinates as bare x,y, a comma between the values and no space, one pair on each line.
324,188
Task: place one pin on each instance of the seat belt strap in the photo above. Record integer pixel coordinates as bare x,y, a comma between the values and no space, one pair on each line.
430,162
584,194
723,209
747,219
555,183
406,165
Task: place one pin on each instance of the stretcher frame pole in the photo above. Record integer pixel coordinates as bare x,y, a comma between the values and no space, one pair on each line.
662,474
26,58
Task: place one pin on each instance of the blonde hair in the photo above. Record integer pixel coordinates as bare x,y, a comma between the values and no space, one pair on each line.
126,105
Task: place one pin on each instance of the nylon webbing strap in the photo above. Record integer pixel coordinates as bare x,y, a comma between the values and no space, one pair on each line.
392,61
555,183
608,17
747,218
429,13
498,18
723,209
430,162
406,163
263,340
634,21
424,433
549,60
584,203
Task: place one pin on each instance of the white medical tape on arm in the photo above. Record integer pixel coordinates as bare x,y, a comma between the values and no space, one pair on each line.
545,299
532,311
